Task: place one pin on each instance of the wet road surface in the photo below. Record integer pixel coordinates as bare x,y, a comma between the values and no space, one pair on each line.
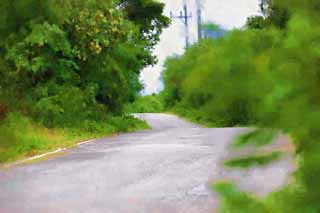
167,169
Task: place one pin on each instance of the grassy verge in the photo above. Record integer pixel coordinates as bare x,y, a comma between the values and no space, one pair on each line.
288,199
257,138
199,116
254,160
20,137
192,116
236,201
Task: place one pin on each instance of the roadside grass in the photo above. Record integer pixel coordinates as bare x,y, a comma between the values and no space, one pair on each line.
253,160
290,198
192,116
21,137
200,116
235,201
257,138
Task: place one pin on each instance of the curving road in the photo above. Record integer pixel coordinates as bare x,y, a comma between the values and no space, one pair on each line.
166,169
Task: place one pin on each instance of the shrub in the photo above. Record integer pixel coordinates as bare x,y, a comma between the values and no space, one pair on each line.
146,104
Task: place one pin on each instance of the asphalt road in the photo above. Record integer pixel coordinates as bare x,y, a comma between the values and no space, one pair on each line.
167,169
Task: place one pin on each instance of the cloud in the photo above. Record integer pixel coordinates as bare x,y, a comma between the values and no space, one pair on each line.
227,13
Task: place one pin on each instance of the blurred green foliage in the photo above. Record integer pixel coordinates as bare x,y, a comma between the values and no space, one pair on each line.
257,138
253,160
236,201
266,77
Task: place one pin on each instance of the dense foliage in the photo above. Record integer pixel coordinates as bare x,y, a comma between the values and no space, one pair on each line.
87,47
146,104
266,77
75,63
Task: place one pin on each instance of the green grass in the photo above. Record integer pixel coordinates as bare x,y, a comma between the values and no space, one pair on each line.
236,201
192,115
254,160
289,199
258,138
20,137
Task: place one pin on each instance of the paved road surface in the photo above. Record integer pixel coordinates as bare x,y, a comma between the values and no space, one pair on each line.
166,169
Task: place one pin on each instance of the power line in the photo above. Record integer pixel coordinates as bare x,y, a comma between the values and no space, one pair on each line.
184,17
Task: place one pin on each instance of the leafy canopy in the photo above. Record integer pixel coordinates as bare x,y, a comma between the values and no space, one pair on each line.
61,58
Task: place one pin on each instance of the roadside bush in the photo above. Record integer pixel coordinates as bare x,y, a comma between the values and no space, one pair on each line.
146,104
69,103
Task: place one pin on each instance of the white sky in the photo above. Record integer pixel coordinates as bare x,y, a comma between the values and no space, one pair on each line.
227,13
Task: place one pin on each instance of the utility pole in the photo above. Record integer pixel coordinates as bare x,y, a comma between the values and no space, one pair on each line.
199,20
184,17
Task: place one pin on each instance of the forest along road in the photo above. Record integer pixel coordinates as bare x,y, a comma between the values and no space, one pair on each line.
167,169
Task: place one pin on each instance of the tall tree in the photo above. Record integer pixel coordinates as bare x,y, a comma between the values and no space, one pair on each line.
148,15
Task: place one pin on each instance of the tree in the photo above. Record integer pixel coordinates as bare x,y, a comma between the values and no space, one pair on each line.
256,22
273,14
148,15
84,54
